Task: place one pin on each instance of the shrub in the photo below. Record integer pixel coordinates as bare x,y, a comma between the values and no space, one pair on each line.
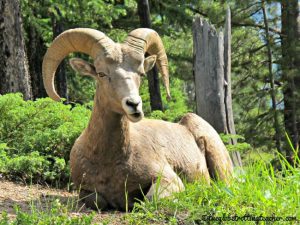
36,137
240,146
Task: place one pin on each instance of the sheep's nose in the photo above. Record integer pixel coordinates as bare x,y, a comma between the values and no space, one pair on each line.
133,103
133,108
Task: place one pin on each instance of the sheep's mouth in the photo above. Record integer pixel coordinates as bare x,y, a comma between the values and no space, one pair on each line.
135,117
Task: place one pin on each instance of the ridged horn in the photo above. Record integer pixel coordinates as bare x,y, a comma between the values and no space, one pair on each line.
85,40
147,40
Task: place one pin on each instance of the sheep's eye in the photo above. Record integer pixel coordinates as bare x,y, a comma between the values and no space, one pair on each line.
142,74
101,74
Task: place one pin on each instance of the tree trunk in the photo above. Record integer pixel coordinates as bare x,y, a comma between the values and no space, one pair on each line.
271,78
153,79
60,77
236,157
291,69
36,50
14,73
209,74
212,77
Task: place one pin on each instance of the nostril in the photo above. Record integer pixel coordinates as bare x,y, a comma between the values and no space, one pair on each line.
132,104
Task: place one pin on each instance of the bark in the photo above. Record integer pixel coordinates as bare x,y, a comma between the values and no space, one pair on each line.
14,72
60,77
144,13
291,69
272,80
36,50
260,26
236,157
212,70
154,89
209,74
153,79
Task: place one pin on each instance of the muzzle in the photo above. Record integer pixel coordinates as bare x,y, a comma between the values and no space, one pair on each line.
133,108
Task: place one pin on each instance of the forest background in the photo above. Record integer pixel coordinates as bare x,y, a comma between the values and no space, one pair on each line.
265,73
37,134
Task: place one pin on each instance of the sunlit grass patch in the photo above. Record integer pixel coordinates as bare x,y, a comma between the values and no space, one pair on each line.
255,194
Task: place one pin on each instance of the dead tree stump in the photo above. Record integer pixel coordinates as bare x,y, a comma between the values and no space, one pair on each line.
212,72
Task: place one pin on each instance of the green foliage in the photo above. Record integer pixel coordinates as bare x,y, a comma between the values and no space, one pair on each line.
180,58
251,96
81,88
174,109
37,137
93,14
241,146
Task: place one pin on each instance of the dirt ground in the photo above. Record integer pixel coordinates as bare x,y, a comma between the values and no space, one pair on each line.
12,194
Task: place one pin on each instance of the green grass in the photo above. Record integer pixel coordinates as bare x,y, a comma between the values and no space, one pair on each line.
257,191
54,214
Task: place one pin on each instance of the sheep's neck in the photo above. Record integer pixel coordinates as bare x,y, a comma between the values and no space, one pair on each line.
107,131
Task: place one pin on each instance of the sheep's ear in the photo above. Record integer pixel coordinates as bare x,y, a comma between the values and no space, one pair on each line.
149,63
83,67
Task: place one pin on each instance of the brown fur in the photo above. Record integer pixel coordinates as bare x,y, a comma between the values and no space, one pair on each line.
114,153
120,156
117,159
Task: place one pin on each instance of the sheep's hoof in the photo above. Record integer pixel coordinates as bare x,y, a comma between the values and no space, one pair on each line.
93,200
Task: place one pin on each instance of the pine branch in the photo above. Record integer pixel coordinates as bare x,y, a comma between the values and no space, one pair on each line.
257,49
246,8
197,11
247,24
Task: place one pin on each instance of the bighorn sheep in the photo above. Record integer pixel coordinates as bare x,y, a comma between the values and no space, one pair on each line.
120,152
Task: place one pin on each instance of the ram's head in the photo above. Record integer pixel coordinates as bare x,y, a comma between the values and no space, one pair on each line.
117,68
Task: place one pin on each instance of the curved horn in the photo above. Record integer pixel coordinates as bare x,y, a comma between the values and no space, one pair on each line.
147,40
85,40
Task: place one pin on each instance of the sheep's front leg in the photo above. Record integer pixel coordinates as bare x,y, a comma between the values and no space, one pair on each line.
165,186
